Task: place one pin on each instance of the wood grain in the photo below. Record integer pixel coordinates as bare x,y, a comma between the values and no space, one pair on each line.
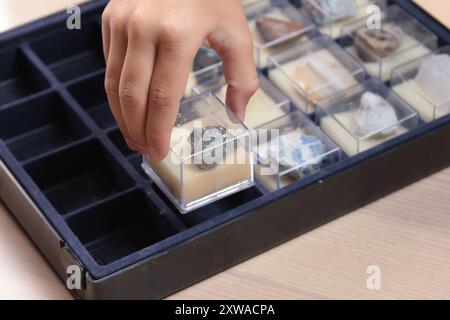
439,9
406,234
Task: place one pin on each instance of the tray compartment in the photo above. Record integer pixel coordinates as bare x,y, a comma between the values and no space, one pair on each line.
80,176
96,105
220,207
121,226
40,125
79,52
133,157
19,78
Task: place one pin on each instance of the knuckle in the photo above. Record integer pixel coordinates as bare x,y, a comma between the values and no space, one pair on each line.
252,86
105,15
127,94
118,20
245,43
172,32
111,84
159,98
136,25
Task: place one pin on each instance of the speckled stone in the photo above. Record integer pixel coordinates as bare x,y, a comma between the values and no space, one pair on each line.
298,149
378,43
308,152
374,114
336,10
272,29
205,138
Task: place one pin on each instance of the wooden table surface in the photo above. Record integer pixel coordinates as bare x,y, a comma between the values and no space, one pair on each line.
407,235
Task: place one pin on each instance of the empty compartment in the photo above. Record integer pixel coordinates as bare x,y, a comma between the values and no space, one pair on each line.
291,148
40,125
330,16
133,157
209,158
267,103
79,176
369,115
18,76
78,52
120,227
275,25
398,39
91,95
314,70
424,84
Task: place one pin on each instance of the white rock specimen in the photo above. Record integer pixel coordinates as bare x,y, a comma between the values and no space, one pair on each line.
373,115
330,10
433,78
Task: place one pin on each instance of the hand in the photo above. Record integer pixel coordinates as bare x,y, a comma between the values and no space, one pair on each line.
149,48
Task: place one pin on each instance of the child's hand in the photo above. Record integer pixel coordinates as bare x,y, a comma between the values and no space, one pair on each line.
149,48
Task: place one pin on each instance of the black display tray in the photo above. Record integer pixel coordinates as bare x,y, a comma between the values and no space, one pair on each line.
68,177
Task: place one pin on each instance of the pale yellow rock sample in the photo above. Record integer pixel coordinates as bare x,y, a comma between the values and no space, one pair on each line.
318,75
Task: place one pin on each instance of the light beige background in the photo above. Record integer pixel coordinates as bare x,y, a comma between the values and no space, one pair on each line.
406,234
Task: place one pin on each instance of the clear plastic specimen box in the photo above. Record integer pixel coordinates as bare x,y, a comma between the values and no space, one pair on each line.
425,84
210,155
398,38
368,115
330,16
267,104
291,148
314,70
275,25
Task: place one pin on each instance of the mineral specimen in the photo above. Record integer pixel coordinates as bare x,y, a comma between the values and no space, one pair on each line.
207,143
433,78
205,58
298,150
271,29
329,11
372,44
374,114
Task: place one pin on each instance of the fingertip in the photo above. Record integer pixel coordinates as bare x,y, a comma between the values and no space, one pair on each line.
238,97
156,154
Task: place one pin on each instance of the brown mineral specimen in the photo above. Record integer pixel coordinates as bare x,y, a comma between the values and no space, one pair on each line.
378,43
271,29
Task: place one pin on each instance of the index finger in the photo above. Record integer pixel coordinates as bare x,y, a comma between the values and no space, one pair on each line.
172,68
